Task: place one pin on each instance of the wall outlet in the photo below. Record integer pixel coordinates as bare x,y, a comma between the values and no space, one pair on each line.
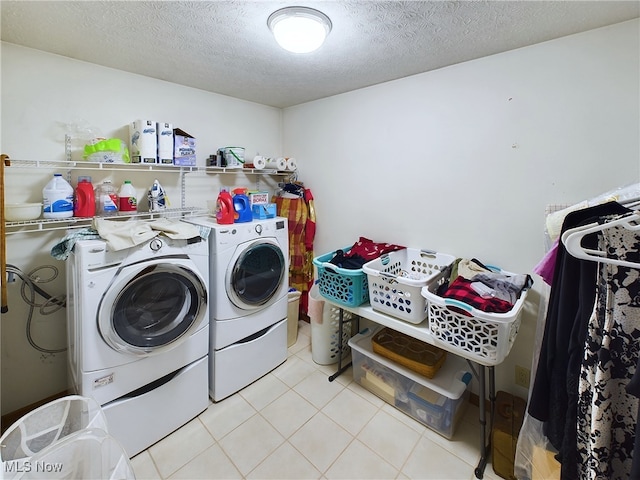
522,376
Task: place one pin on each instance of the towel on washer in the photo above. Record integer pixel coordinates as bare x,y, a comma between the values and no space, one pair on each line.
62,249
120,235
175,229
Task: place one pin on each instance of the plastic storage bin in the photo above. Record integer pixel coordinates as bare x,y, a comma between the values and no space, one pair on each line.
484,337
396,278
438,403
341,285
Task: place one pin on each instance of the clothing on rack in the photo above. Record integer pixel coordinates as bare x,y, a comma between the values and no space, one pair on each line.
554,394
608,413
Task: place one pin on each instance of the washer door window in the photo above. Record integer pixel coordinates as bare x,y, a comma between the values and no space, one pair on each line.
153,310
256,275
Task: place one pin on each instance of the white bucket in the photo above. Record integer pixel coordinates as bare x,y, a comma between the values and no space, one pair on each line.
234,156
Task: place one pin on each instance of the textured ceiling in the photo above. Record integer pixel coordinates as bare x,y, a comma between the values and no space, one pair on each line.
225,46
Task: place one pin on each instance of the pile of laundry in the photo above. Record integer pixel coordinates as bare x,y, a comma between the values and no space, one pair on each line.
362,251
482,288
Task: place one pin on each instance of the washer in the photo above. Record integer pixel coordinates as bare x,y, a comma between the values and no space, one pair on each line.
249,283
138,332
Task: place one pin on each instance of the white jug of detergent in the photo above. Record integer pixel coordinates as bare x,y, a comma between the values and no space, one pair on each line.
128,199
57,198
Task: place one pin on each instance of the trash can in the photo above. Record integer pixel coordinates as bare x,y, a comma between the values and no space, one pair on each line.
292,316
325,330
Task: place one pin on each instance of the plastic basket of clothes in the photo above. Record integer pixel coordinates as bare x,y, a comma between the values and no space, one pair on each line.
396,279
476,313
344,286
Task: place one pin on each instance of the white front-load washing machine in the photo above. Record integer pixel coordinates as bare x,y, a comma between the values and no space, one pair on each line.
138,333
249,283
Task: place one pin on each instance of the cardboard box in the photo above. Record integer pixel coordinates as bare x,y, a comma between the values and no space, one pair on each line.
184,148
260,212
258,198
165,143
143,141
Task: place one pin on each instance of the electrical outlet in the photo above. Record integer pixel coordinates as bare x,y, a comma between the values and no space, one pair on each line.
522,376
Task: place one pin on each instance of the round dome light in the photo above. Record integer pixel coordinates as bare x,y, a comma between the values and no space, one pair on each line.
299,29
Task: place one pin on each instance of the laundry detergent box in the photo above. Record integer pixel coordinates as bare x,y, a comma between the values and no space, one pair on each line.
260,212
143,141
184,148
258,198
165,143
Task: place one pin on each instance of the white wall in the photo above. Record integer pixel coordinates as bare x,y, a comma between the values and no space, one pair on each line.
465,159
462,160
41,94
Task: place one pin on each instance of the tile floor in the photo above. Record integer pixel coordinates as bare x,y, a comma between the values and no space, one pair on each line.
295,424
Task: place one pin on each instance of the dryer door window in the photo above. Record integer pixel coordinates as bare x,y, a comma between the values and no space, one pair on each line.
155,308
257,275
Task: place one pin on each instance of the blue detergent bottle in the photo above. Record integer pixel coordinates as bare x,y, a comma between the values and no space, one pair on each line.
242,206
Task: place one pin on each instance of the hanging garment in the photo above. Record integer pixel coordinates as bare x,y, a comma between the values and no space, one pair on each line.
607,413
553,397
300,214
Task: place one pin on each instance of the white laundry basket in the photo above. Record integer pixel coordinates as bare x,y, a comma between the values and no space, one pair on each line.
83,455
325,330
34,436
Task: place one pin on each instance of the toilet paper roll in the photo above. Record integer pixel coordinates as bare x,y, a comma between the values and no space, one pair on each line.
276,163
292,164
259,162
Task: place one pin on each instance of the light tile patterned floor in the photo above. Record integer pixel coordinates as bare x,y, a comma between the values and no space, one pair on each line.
295,424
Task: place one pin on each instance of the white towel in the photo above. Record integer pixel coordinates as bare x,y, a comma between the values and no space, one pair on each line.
175,229
120,235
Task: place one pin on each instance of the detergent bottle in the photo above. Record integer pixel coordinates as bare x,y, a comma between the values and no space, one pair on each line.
84,204
57,198
242,206
225,213
106,199
128,199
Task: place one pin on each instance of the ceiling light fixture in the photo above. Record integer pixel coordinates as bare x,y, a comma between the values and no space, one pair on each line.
299,29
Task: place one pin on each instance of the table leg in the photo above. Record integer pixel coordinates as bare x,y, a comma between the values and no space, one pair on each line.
341,323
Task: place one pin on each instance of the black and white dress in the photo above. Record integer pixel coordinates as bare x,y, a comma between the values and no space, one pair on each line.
607,413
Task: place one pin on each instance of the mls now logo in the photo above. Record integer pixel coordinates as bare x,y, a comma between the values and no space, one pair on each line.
27,466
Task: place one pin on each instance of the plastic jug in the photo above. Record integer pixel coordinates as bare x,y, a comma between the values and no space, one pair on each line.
84,204
157,197
57,198
128,201
225,213
242,206
106,199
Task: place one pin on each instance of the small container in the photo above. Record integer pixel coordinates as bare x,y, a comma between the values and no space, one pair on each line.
127,199
84,204
106,199
57,198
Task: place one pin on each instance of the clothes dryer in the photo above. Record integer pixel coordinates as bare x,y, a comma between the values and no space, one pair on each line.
138,333
249,283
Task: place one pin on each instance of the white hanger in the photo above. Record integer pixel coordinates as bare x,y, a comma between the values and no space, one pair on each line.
572,239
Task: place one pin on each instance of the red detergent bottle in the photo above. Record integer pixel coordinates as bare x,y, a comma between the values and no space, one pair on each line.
84,204
225,213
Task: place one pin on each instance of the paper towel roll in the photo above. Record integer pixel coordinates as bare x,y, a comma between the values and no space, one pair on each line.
292,164
259,162
276,163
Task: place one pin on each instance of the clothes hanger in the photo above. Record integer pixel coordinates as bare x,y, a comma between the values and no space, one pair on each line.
572,239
